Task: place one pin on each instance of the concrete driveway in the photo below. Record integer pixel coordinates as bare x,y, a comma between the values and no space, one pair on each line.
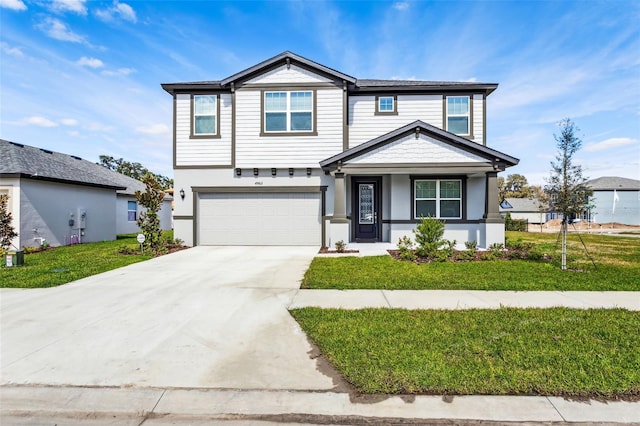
210,317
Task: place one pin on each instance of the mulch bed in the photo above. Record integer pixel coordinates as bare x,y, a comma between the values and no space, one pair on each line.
326,250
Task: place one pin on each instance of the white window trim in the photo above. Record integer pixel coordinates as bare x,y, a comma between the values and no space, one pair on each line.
437,199
129,211
287,112
468,114
194,115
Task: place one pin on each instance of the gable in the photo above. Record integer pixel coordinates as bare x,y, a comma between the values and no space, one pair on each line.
409,149
288,74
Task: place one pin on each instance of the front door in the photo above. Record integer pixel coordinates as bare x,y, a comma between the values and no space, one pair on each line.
366,208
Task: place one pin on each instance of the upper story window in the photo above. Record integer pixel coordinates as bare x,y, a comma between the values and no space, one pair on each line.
132,211
288,112
438,198
205,111
386,105
458,116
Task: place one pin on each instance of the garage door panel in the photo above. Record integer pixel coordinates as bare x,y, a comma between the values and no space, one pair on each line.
259,219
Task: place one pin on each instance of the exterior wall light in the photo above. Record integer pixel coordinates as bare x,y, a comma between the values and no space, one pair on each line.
238,172
255,172
273,172
182,193
290,171
308,171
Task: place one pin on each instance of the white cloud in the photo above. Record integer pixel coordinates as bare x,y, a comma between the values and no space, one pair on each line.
75,6
119,71
13,4
39,121
69,122
90,62
57,29
401,5
99,127
610,143
13,51
117,11
154,129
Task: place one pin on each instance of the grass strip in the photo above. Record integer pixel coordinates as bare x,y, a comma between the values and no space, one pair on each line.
559,351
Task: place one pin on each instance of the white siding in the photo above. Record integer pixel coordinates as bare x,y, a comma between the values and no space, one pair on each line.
411,150
364,125
478,128
292,75
202,152
252,150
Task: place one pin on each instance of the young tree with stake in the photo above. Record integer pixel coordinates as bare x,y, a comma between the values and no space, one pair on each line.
567,188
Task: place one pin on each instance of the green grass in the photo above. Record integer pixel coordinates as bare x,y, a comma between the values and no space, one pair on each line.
61,265
559,351
617,260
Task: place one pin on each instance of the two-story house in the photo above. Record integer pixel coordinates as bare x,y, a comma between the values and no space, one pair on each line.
291,152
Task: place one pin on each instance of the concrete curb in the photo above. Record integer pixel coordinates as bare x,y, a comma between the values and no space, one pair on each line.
150,405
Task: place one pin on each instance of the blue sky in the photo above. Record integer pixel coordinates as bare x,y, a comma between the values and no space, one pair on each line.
83,77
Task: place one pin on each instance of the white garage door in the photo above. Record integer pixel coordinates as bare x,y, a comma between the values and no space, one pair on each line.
259,219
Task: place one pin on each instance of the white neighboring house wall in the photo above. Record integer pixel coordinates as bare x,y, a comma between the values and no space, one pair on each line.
124,226
627,207
11,187
46,208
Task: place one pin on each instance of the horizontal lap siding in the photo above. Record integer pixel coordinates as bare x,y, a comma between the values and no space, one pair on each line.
202,152
292,74
253,150
364,125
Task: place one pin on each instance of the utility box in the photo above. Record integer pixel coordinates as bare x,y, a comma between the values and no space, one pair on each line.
14,258
81,219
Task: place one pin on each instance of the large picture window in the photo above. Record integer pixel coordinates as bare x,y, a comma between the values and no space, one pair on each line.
439,198
205,115
458,116
288,111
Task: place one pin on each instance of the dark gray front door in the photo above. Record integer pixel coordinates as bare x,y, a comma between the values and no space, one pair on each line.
366,208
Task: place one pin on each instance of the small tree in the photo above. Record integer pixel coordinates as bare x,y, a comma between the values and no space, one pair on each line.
567,188
149,222
429,233
7,232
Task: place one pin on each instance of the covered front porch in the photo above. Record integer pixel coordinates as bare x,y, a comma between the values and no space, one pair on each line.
383,187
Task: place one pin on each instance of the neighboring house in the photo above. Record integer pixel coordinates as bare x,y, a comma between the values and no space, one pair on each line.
64,199
291,152
529,209
615,199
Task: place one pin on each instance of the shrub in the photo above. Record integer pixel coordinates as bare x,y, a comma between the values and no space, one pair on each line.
497,249
340,246
514,224
429,234
405,249
7,232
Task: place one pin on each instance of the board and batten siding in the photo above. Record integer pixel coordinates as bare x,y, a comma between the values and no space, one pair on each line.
478,119
202,152
253,150
365,125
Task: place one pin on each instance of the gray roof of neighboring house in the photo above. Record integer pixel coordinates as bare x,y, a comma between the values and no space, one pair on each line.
609,183
38,163
355,85
521,205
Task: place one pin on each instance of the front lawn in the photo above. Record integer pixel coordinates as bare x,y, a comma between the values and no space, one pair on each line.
559,351
617,260
64,264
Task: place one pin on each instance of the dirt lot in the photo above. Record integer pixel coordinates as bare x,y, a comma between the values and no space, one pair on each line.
589,227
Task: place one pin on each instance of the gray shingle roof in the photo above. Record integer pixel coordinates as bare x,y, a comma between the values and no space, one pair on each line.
522,205
37,163
609,183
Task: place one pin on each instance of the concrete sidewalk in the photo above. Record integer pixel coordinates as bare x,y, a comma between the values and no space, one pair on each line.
464,299
164,406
